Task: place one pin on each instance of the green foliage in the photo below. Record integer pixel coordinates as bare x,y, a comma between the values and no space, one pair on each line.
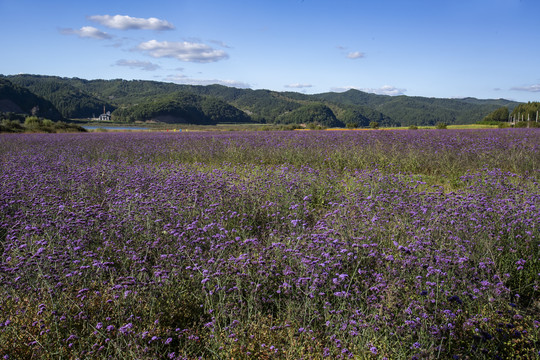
441,125
315,113
351,125
501,114
491,122
265,106
79,98
12,116
182,108
374,125
7,125
413,127
420,110
526,112
36,124
315,126
362,116
354,97
527,124
32,122
287,127
72,102
219,111
47,122
20,100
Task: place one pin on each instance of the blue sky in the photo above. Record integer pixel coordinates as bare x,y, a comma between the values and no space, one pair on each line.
434,48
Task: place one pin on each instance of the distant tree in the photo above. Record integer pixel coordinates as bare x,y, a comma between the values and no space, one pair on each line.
7,125
315,126
441,125
32,122
526,111
374,125
501,114
47,123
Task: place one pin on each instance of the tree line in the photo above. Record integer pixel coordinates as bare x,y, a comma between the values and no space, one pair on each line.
529,112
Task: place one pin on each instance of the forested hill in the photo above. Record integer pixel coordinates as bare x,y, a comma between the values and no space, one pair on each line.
139,100
415,110
182,108
70,100
17,99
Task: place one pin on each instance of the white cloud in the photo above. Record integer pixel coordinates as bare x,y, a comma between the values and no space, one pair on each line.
344,88
531,88
133,64
383,90
220,43
183,51
355,55
298,86
124,22
183,79
87,32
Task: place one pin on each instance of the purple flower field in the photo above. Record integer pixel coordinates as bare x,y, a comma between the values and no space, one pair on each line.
270,245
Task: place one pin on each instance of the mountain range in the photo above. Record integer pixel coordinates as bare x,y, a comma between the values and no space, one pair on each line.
60,98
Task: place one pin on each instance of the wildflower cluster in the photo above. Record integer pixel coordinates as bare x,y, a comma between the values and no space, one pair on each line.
270,245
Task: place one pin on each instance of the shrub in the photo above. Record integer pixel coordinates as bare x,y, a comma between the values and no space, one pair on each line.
441,125
11,126
374,125
525,124
490,122
32,122
413,127
48,123
315,126
291,127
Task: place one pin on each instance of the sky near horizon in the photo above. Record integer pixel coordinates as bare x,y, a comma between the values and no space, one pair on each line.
433,48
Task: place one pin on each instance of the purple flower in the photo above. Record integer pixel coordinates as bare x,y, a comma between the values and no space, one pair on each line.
125,329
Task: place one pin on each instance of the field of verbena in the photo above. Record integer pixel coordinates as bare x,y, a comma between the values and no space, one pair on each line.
287,245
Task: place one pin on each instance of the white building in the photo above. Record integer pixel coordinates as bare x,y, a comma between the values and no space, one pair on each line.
106,116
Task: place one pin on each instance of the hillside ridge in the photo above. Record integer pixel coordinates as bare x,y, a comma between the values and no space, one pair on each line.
129,100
